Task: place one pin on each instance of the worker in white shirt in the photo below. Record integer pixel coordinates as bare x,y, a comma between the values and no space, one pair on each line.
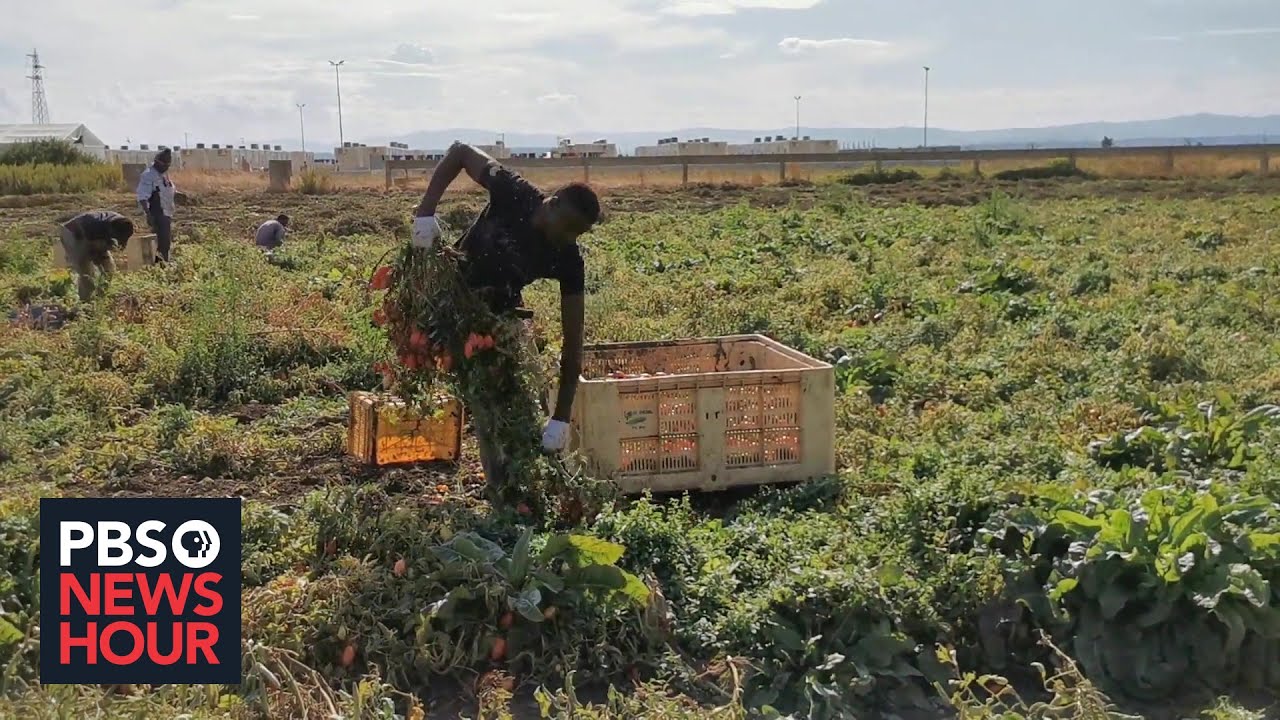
156,195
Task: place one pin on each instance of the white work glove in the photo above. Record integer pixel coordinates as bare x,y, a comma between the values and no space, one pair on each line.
555,435
426,230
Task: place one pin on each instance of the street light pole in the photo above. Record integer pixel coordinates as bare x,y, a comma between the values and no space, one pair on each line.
797,117
338,84
302,127
926,106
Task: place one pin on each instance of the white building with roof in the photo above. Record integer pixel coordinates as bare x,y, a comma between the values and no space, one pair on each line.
78,135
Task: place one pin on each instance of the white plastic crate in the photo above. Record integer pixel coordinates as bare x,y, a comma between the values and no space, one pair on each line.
704,414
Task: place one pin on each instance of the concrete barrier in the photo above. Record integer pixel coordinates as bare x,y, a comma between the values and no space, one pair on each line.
1260,154
281,172
132,174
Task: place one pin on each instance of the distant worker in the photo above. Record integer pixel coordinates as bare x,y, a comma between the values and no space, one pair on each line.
87,240
271,233
156,195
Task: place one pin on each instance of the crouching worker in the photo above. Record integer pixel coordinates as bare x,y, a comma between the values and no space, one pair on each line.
270,235
87,240
522,235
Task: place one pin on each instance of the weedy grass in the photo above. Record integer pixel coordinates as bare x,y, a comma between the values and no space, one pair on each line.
1057,444
45,178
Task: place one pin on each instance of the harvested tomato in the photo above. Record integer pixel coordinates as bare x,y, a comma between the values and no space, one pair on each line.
400,567
348,655
381,278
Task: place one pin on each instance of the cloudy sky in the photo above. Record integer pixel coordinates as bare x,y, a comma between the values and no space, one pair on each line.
226,69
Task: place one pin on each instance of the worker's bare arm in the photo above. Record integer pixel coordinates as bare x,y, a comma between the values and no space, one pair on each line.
459,157
572,319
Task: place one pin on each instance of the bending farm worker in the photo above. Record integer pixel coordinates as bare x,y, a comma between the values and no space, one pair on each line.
522,235
270,234
87,240
156,197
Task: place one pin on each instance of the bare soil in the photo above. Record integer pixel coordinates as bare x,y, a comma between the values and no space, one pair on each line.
355,212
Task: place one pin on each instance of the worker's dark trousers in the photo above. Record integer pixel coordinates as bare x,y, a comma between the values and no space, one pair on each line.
493,458
163,226
84,257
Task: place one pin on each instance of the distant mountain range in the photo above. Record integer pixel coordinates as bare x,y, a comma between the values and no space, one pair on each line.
1207,129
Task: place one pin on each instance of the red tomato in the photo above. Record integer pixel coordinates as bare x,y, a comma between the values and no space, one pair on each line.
381,278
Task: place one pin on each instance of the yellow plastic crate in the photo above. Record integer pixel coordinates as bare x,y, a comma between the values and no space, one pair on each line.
138,253
704,414
383,431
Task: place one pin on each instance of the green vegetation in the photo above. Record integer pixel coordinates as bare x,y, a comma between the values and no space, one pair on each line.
44,179
52,166
880,177
314,182
44,152
1057,441
1055,169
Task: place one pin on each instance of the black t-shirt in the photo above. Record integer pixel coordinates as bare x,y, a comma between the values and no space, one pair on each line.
504,252
94,225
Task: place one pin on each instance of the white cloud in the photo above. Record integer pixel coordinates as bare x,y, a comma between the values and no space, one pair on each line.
565,65
1229,32
410,54
795,45
1222,32
695,8
736,49
8,107
854,50
523,17
557,99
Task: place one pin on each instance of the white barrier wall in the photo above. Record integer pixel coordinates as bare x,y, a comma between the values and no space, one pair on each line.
220,159
677,149
786,147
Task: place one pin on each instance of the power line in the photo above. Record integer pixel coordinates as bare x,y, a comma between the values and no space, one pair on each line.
39,105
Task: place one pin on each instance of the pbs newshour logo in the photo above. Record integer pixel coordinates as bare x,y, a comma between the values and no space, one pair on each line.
140,590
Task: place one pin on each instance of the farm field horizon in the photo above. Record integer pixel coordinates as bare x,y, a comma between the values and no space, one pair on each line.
1057,442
